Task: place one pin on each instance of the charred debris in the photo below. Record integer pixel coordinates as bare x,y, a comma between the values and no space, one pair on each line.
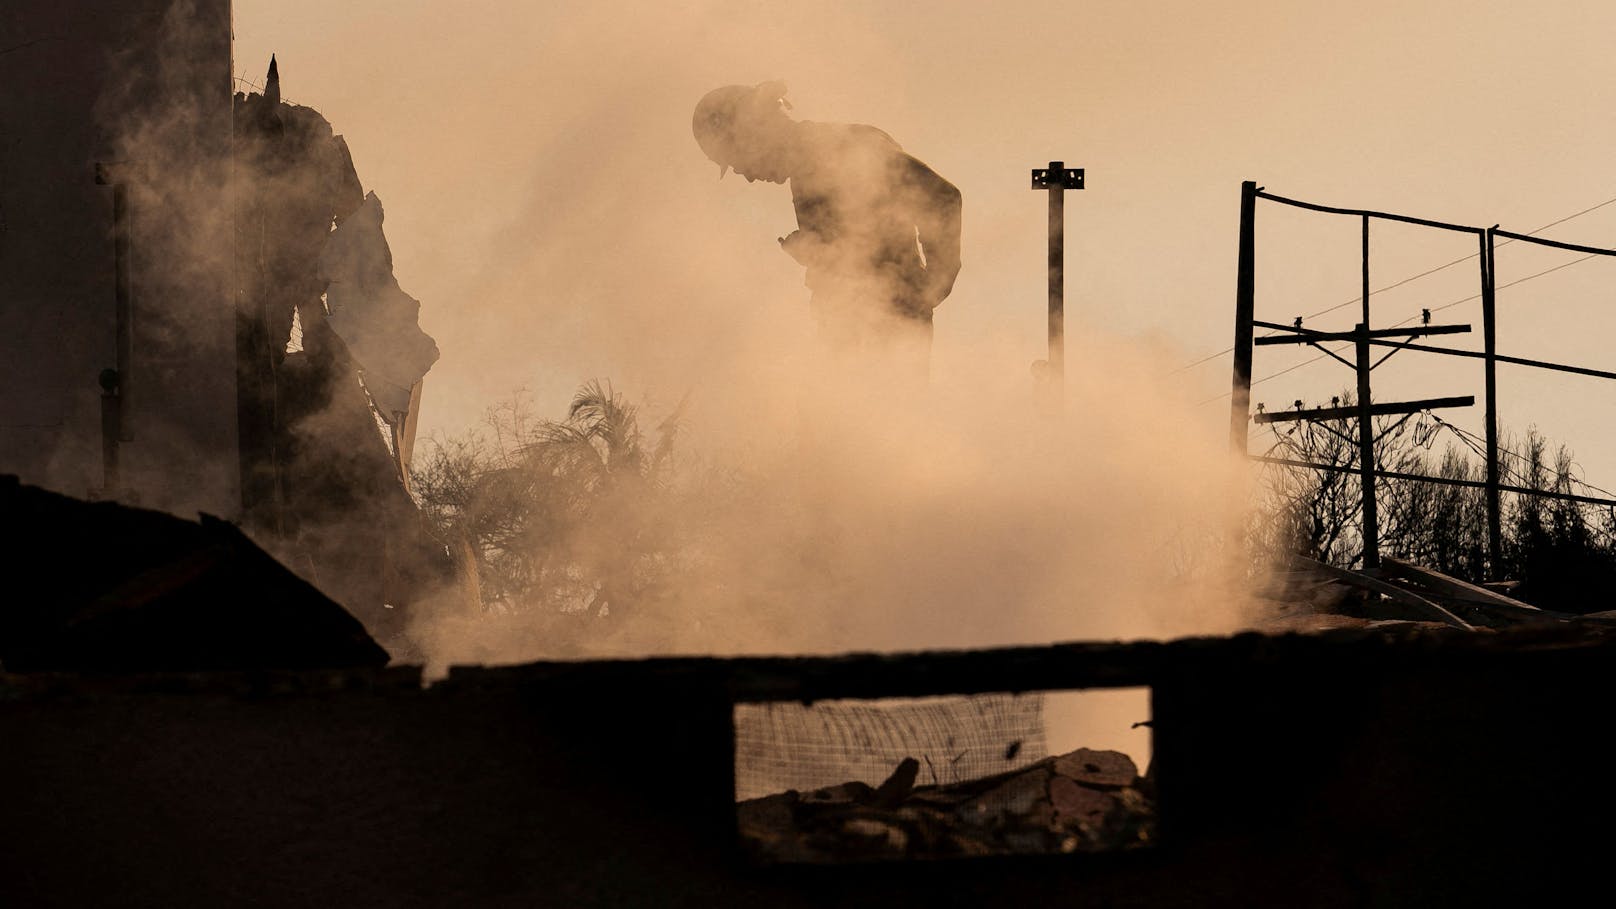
1084,801
1307,595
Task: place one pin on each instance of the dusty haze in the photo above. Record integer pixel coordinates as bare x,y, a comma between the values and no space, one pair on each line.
867,513
548,205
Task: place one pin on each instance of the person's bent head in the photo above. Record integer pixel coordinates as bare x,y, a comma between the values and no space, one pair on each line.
745,128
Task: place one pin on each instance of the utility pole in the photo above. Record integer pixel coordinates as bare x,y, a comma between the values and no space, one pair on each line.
1366,453
1489,335
1366,425
1362,337
1056,179
1245,303
1364,410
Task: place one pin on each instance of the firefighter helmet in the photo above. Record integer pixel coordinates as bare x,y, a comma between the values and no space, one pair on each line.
725,116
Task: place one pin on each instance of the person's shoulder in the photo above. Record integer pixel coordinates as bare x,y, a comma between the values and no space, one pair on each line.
857,135
875,137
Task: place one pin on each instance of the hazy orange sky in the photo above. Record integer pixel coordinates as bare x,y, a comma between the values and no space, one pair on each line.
547,204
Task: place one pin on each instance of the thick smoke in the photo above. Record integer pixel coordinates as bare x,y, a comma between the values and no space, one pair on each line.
864,513
244,394
163,124
561,224
865,509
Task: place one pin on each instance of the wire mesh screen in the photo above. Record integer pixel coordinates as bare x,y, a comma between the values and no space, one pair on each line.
787,745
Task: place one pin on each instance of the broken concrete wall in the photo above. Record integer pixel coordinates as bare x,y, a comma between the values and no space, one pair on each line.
227,203
1411,768
142,87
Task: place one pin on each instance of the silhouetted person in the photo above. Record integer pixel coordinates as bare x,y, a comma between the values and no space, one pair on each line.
877,230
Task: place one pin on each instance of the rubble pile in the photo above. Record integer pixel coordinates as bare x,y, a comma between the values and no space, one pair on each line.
1308,595
1084,801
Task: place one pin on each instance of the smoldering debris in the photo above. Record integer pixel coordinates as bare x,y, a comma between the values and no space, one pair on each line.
1083,801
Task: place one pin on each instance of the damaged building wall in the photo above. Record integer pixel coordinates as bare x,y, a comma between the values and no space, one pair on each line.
142,89
145,318
1395,767
327,344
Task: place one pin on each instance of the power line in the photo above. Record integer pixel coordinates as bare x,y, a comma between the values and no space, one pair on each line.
1406,321
1567,218
1475,443
1509,284
1396,284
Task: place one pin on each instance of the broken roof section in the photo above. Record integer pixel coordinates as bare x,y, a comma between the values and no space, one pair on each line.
117,589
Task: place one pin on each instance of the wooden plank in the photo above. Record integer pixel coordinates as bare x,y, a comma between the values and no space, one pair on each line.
1390,591
1463,590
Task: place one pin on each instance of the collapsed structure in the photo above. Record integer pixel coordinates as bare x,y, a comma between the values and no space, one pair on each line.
197,306
1404,765
328,347
159,748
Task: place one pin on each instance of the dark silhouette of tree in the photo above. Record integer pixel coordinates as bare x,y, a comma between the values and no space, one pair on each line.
1563,553
571,516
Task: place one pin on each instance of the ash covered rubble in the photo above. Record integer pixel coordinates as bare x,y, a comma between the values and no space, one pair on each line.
1307,595
1083,801
330,365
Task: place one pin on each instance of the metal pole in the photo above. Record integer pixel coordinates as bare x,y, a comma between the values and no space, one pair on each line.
123,309
1245,301
1057,279
1366,272
1056,180
1489,336
110,431
114,380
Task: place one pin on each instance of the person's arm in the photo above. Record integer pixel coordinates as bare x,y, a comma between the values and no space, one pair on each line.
934,204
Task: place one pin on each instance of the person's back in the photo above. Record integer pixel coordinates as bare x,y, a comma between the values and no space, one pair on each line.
868,213
878,231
